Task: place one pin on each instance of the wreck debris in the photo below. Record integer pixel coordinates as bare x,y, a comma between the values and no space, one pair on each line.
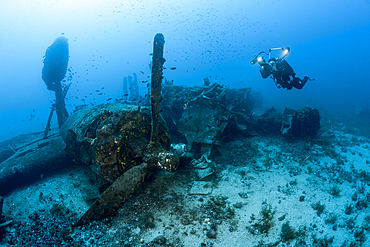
268,123
53,72
223,112
121,143
134,88
131,89
110,138
227,114
48,124
291,123
155,154
6,153
305,123
5,223
125,90
204,167
115,196
206,82
156,84
2,218
32,156
1,209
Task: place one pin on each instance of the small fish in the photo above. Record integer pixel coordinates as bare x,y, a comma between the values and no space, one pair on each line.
144,81
97,91
126,94
102,88
109,99
141,72
100,94
173,68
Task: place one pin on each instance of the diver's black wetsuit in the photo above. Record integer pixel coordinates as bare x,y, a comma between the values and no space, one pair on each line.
284,76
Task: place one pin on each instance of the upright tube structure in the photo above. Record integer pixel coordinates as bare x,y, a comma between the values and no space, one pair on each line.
156,85
154,155
53,72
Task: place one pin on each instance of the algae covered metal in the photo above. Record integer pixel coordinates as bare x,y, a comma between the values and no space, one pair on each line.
121,143
111,138
54,70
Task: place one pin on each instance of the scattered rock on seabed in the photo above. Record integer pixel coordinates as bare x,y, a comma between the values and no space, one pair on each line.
201,188
183,211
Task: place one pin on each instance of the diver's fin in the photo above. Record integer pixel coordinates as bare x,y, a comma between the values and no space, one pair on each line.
310,79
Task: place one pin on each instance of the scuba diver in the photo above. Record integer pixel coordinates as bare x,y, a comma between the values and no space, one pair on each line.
279,70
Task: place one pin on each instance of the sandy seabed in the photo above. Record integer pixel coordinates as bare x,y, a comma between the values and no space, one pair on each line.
265,191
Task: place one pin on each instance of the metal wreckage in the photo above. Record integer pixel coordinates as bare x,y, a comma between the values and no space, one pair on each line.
205,117
122,142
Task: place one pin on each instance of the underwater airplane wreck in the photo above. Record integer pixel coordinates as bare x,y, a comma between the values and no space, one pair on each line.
180,137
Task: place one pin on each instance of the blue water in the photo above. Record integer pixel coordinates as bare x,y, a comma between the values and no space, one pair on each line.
109,40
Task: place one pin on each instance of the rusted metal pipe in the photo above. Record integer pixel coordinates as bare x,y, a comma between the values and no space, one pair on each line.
156,85
155,155
48,124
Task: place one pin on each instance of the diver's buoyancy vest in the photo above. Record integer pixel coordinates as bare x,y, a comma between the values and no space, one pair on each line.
286,68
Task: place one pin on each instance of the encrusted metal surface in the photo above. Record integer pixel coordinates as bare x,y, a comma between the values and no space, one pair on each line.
111,138
118,193
115,141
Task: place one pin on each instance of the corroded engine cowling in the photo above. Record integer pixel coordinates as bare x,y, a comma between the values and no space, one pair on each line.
111,138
